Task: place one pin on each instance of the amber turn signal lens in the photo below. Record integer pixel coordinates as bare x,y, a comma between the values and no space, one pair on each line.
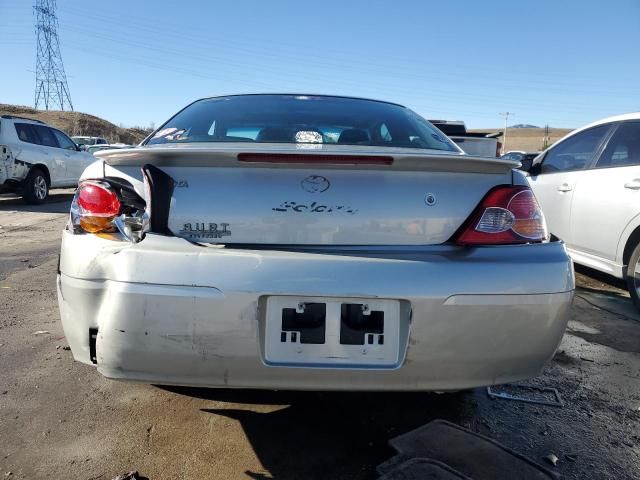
97,224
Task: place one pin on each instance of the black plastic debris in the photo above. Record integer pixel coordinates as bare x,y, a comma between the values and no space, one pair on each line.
527,393
463,451
423,469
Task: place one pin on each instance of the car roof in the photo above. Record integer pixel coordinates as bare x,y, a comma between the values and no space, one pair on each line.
615,118
294,94
603,121
23,119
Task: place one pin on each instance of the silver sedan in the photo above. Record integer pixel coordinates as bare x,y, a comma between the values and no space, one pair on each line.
309,242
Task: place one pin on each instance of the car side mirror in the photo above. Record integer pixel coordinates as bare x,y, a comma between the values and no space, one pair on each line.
535,169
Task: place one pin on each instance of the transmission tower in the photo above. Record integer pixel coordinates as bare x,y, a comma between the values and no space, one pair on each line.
52,89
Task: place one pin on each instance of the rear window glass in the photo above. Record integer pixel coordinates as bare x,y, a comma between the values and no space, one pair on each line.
25,132
84,140
624,147
46,136
301,120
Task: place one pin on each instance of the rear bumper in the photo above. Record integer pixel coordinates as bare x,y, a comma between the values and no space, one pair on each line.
170,312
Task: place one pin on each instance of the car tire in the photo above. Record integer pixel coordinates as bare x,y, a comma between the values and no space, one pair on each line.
35,188
633,278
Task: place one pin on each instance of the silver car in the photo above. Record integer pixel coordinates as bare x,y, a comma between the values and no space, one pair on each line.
588,185
309,242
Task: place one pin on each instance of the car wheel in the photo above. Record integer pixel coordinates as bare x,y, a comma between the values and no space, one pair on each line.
633,276
35,189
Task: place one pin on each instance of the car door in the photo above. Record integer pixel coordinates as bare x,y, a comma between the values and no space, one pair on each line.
28,151
54,155
607,196
556,177
75,161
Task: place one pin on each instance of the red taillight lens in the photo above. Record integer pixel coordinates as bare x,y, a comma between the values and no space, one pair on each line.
94,207
98,199
507,215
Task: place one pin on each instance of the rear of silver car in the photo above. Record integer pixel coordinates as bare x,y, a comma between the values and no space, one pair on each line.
331,267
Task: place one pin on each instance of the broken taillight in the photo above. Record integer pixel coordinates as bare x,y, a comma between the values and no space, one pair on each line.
95,207
508,214
103,207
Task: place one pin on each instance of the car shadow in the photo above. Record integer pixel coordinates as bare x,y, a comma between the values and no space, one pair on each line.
57,202
318,435
603,278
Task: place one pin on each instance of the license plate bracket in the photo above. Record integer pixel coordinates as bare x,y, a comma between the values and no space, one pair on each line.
332,332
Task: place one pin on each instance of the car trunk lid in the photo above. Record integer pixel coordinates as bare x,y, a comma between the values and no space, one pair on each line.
283,195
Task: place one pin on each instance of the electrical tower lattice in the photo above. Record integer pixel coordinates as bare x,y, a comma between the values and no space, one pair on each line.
52,89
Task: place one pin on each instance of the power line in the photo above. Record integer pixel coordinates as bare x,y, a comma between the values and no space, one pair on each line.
51,82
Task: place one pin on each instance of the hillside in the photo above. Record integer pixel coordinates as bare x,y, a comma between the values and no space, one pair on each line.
528,139
76,123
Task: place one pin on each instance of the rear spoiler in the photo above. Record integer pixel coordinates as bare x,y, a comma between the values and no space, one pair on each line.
304,157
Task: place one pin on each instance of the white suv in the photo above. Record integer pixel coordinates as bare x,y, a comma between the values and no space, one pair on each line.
35,157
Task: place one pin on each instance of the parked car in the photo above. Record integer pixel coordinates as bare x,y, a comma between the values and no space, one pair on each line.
35,157
588,185
309,242
112,146
85,142
525,158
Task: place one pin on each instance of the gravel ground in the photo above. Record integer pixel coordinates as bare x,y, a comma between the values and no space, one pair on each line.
60,419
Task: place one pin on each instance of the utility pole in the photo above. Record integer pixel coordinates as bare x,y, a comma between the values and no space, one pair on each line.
546,140
504,135
51,82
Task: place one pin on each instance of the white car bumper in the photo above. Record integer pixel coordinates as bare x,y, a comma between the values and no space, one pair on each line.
170,312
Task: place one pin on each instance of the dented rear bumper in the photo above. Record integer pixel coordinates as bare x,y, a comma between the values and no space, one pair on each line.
171,312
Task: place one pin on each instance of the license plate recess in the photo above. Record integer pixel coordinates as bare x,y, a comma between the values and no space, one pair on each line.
332,332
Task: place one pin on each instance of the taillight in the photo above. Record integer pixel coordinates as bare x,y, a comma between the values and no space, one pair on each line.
507,215
95,207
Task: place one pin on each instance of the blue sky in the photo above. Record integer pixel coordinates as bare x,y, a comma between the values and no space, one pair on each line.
564,63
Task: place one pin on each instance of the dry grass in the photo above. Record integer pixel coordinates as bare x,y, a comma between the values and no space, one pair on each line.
76,123
528,139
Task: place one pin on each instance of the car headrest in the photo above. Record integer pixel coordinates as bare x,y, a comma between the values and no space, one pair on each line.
353,136
273,134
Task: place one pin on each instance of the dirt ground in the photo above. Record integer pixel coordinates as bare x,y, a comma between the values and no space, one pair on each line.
528,139
62,420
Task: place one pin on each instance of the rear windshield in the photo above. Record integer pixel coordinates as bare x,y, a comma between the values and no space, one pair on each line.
84,140
301,119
